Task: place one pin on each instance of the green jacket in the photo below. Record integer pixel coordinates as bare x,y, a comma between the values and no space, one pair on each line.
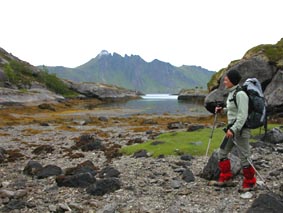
237,115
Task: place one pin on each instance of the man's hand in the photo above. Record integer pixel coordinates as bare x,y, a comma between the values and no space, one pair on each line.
229,134
218,109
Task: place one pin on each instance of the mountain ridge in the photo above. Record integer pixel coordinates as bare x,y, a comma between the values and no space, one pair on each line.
135,73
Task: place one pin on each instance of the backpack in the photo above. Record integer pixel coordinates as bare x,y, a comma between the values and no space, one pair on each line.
257,104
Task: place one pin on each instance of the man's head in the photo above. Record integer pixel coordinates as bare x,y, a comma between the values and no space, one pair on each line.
234,76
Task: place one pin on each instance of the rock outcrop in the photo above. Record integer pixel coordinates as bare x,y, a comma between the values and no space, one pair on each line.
31,96
102,91
261,64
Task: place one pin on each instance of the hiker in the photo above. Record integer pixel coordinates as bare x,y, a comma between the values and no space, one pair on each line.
236,131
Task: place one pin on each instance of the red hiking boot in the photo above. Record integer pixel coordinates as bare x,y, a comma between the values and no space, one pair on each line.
225,177
249,181
225,170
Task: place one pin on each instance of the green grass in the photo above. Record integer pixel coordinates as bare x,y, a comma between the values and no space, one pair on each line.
174,143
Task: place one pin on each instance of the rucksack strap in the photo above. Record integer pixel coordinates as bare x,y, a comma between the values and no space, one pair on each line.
235,94
238,89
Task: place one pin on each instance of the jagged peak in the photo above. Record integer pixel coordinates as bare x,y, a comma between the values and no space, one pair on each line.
103,52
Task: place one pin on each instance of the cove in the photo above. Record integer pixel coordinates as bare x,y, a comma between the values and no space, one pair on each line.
158,104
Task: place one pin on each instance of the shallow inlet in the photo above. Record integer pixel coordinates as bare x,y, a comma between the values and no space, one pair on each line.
159,104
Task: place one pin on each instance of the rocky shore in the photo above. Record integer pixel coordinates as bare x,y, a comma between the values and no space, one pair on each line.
57,159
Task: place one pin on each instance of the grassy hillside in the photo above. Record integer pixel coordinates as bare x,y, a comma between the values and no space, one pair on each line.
21,75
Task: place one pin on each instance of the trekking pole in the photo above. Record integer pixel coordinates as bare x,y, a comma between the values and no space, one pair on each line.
250,162
214,123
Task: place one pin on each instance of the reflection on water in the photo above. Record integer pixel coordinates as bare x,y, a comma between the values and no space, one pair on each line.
159,104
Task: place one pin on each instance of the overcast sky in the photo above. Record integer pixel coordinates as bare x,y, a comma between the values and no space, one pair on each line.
207,33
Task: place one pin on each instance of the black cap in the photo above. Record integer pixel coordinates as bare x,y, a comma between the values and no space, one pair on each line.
234,76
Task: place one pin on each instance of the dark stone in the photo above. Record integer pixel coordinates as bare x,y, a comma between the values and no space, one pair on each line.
273,93
112,151
46,106
84,167
187,157
76,155
188,176
260,144
176,125
47,171
140,154
88,143
266,203
2,158
135,140
13,205
19,183
14,155
184,164
149,132
2,151
95,145
211,170
78,180
273,136
103,118
154,143
109,172
276,173
104,186
2,154
194,127
32,168
43,149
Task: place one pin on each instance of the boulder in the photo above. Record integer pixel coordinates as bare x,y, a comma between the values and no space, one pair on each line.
269,76
266,203
273,136
86,166
188,176
81,180
102,91
87,143
47,171
104,186
274,91
109,172
32,168
211,170
38,95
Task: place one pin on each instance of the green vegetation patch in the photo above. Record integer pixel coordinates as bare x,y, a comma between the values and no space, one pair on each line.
21,74
175,143
273,52
55,84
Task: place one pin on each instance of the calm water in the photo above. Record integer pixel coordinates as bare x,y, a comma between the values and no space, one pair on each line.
159,104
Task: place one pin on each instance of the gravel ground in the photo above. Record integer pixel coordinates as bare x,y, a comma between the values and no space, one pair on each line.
147,184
